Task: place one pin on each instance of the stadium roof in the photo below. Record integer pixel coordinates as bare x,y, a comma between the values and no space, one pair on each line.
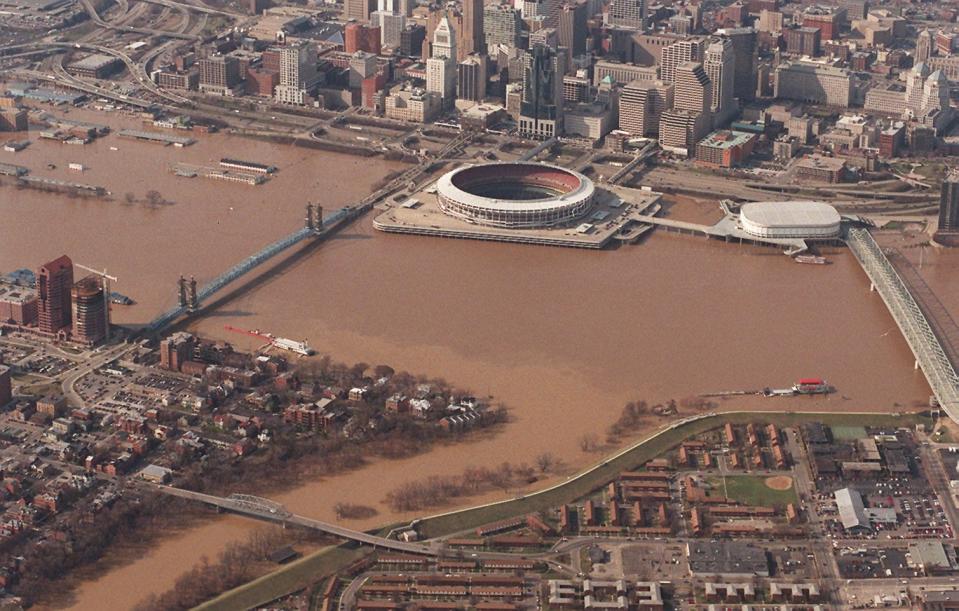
790,214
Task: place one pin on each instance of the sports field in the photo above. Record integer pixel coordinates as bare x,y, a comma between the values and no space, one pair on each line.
756,489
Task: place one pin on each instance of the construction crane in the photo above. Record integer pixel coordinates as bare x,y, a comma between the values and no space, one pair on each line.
105,279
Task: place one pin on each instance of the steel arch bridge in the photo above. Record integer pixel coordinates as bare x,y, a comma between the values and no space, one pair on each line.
259,505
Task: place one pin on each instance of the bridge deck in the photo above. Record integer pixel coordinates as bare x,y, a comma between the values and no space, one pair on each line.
922,340
274,512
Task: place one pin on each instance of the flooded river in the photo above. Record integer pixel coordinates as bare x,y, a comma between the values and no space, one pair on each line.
563,337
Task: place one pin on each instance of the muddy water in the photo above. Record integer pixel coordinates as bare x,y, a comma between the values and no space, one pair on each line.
563,337
209,226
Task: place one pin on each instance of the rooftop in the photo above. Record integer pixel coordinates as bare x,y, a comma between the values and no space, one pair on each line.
790,214
725,139
818,161
92,62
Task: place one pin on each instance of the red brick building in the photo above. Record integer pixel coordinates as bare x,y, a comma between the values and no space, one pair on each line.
261,82
361,37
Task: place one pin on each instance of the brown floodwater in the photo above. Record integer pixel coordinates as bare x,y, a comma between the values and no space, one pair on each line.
563,337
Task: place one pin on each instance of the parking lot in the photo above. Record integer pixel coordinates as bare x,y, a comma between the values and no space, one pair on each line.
874,563
653,562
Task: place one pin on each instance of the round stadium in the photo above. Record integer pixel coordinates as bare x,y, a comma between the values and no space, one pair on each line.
515,194
802,219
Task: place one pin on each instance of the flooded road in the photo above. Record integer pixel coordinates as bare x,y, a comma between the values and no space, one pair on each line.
563,337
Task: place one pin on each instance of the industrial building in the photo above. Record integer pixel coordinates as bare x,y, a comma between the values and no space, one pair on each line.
855,517
94,66
729,559
797,219
818,168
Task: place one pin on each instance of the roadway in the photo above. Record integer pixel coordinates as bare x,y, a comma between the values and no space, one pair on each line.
91,10
926,346
267,510
68,384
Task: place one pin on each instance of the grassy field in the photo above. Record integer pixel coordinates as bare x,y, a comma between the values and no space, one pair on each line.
848,433
752,490
297,575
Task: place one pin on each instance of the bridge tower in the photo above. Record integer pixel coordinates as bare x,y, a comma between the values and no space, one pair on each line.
309,217
181,284
193,304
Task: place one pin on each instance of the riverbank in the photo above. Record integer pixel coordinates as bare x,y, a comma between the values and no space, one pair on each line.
327,561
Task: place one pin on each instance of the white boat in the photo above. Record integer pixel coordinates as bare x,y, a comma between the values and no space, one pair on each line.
294,346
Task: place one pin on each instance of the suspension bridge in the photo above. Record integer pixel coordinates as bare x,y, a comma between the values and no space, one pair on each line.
927,347
191,298
316,226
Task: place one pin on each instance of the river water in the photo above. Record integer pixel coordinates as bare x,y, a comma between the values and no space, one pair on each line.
563,337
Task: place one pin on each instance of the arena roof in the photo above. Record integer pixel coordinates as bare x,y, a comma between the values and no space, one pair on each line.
790,214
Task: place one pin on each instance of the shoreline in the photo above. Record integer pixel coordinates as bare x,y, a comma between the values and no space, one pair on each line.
258,592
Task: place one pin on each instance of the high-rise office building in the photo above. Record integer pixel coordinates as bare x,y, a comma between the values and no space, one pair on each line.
444,39
54,281
441,67
548,37
924,46
641,105
391,25
744,51
949,203
90,311
501,25
681,51
693,88
541,109
572,28
360,37
358,9
719,65
690,119
298,75
474,40
628,13
471,78
411,40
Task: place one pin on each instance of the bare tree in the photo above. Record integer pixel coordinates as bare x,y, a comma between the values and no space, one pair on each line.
588,442
545,462
353,511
